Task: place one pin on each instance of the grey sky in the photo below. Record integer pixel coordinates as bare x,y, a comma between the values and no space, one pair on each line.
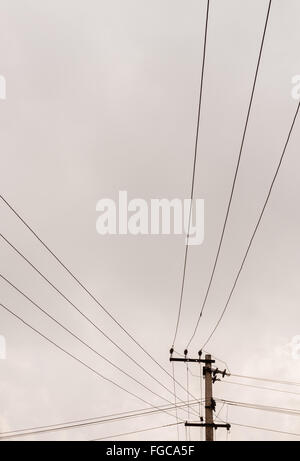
102,97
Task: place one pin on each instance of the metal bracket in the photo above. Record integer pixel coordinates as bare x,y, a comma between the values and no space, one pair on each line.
215,426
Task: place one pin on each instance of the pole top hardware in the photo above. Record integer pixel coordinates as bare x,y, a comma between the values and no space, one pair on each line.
213,425
212,405
187,359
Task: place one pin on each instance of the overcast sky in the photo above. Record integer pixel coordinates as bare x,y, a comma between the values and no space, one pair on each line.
101,97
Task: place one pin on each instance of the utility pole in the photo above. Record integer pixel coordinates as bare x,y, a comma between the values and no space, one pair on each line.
209,418
210,376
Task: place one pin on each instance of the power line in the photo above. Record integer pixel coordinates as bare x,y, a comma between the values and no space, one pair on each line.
193,174
87,318
254,406
116,417
135,432
255,229
234,179
175,398
261,387
277,381
200,385
79,360
81,341
219,412
188,397
233,424
90,294
265,429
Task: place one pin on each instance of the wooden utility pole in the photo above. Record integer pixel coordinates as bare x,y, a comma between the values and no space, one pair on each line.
209,419
210,376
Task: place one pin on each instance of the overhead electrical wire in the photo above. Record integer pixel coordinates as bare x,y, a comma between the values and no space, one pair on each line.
169,425
90,294
265,429
255,378
255,230
269,380
123,434
234,179
86,317
83,423
232,424
261,387
200,407
188,398
175,398
193,174
128,375
79,360
256,406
